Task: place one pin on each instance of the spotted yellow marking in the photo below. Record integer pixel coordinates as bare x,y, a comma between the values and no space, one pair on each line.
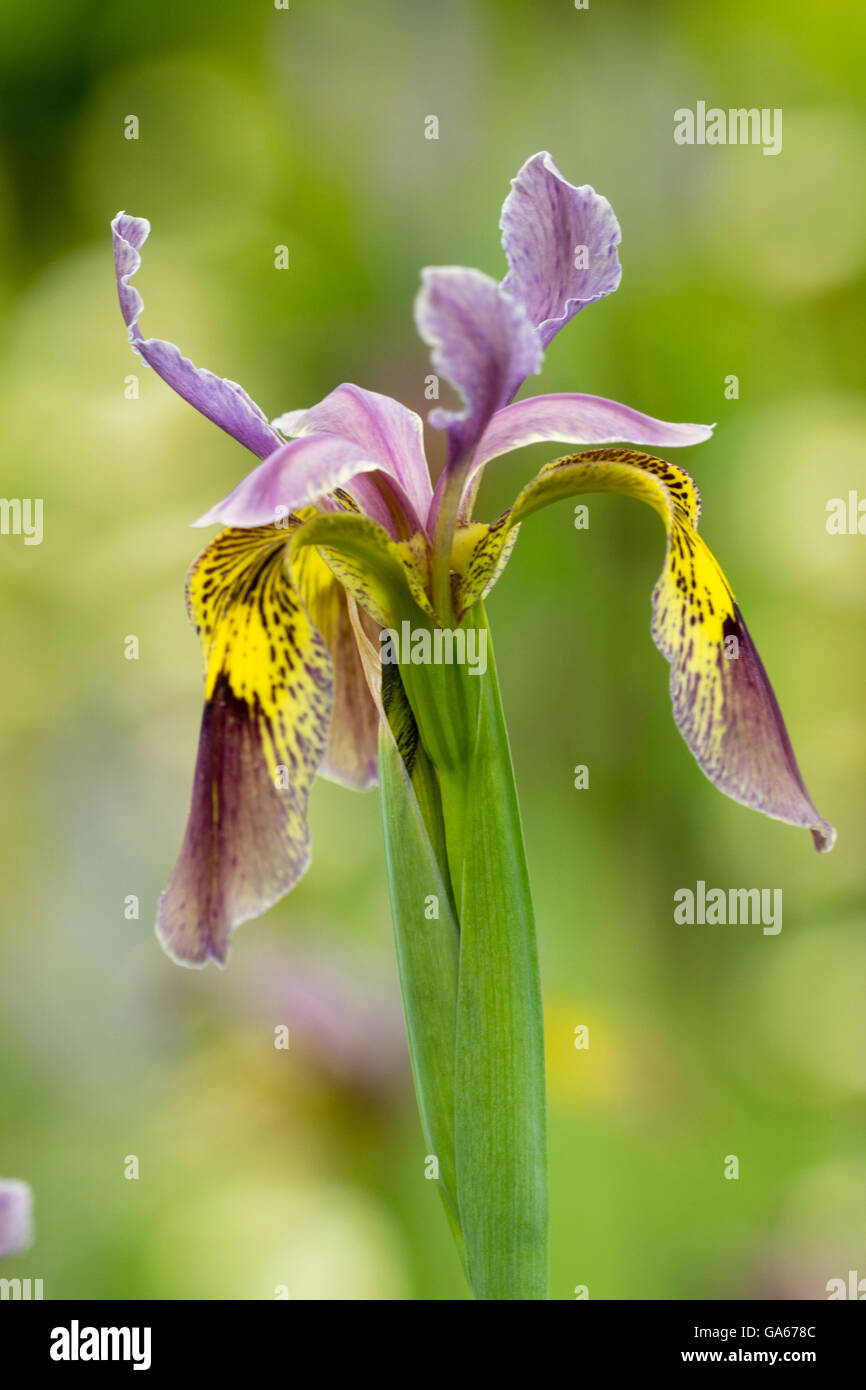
352,754
415,554
479,554
383,576
256,636
723,702
693,605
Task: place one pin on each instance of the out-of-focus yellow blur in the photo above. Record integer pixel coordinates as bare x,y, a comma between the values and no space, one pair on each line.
301,1171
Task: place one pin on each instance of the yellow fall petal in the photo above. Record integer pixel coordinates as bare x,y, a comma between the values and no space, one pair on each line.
723,703
268,699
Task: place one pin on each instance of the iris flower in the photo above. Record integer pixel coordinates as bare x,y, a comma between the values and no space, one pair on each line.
16,1217
338,535
280,627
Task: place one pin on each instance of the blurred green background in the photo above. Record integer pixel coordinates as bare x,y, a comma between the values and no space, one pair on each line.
305,1169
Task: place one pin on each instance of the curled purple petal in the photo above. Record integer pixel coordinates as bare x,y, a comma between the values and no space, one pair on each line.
561,243
222,401
16,1217
383,429
482,342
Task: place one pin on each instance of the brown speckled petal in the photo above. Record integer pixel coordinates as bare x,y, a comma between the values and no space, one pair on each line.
268,701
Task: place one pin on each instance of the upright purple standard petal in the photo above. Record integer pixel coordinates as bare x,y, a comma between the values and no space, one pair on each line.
16,1217
222,401
383,429
482,342
561,243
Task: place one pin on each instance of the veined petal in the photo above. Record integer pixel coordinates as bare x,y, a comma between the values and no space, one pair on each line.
268,700
16,1217
352,755
222,401
723,703
561,243
482,342
383,429
569,418
294,476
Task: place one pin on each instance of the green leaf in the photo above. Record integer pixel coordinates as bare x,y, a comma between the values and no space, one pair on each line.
426,936
499,1084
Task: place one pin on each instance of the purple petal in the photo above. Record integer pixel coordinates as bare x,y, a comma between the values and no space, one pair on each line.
264,733
16,1217
573,419
748,755
744,748
352,757
384,430
754,761
561,243
222,401
296,475
482,342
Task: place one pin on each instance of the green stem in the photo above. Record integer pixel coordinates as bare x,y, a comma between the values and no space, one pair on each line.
498,1096
446,525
